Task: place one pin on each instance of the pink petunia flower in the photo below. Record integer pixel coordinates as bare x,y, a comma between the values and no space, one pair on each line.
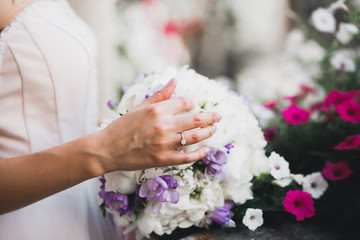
271,104
300,204
295,115
336,97
270,134
336,171
349,110
350,142
171,28
307,89
294,98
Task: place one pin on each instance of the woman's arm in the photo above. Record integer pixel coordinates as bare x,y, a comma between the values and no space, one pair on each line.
143,138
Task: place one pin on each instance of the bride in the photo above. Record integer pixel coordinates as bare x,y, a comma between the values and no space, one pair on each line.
48,103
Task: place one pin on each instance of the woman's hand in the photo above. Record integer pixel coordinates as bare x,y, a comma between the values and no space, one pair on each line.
149,135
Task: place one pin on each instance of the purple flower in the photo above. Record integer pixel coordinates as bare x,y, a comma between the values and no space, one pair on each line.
124,89
221,215
215,160
112,104
160,188
117,202
228,147
102,193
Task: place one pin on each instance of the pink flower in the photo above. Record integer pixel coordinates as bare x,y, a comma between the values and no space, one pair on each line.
295,115
350,142
294,98
307,89
271,104
349,110
336,171
336,97
270,134
171,28
300,204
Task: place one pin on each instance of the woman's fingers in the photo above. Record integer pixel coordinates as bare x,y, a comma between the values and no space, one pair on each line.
194,136
183,158
176,105
197,120
163,94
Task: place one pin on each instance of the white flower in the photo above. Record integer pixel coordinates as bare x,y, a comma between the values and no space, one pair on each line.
279,166
310,52
186,183
346,32
339,4
294,40
183,214
253,218
283,182
121,182
343,60
315,184
323,20
211,194
298,178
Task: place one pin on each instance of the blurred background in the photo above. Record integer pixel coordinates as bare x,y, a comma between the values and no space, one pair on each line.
249,45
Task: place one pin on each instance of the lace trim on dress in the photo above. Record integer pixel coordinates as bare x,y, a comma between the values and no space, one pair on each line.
6,31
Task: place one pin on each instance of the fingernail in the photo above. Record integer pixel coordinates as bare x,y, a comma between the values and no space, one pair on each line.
218,117
170,82
207,150
214,129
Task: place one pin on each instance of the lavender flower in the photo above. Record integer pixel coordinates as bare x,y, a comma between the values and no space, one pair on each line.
102,193
117,202
160,188
228,147
112,104
221,215
215,160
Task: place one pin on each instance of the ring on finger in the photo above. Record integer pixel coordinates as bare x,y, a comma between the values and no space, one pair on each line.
183,140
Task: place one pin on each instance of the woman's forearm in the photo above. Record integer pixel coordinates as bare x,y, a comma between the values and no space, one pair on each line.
27,179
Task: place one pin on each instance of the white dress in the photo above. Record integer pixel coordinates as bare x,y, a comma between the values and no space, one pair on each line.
48,97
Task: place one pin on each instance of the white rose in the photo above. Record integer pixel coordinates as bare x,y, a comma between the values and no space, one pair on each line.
124,182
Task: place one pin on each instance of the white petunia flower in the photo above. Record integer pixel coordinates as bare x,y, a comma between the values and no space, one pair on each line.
315,184
298,178
343,60
282,182
310,52
339,4
253,218
279,167
323,20
346,32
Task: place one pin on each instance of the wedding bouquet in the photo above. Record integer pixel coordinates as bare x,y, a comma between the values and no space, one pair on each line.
209,191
